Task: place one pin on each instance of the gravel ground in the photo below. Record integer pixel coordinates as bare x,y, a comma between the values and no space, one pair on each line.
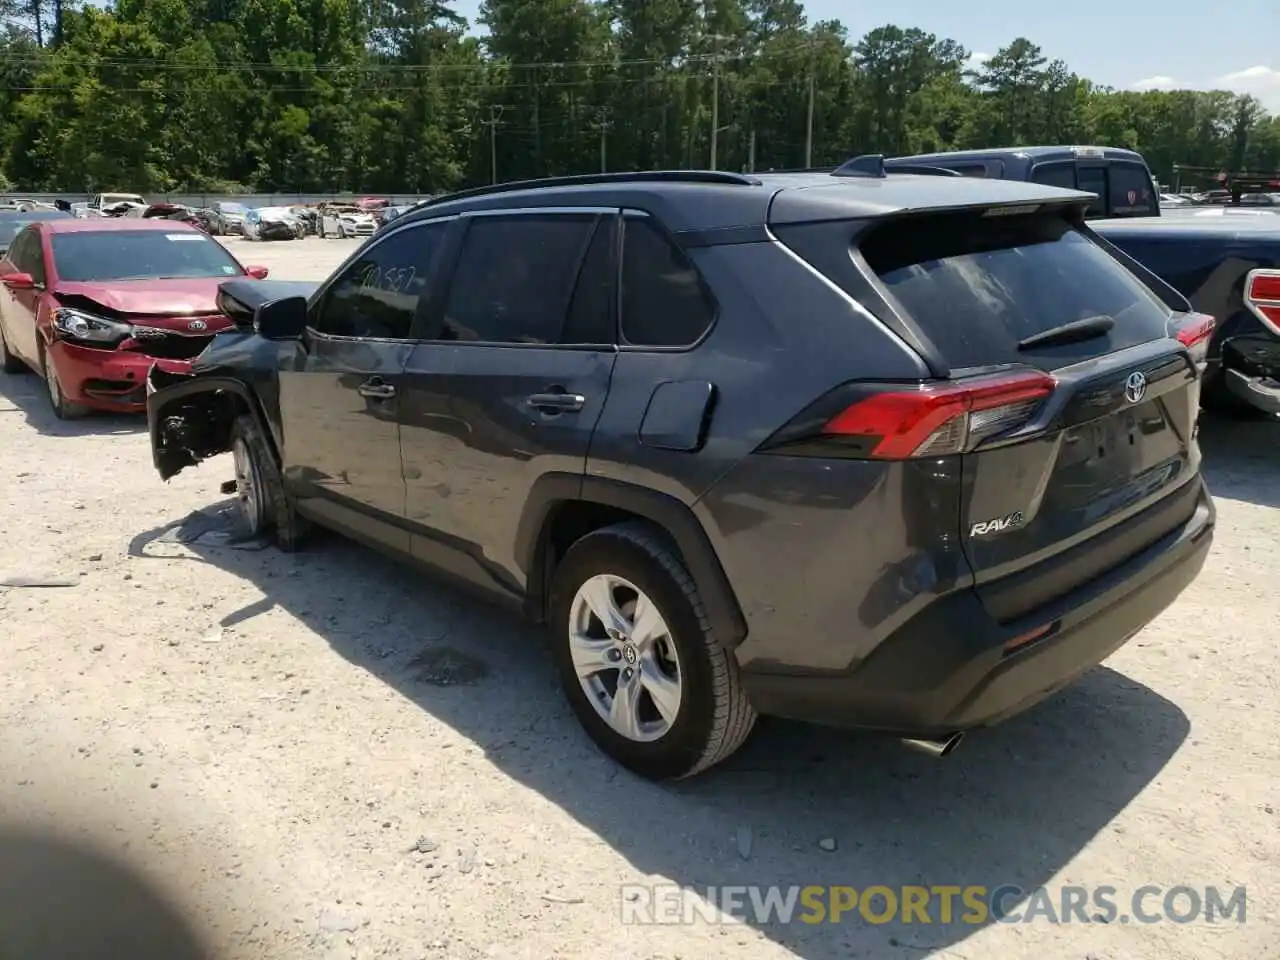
327,756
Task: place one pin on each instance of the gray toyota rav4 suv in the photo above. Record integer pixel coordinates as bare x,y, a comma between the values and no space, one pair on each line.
902,452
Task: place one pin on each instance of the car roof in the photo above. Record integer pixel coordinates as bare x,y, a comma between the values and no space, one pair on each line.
688,201
112,224
1056,152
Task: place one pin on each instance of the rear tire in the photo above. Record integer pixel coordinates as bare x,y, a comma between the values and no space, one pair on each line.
63,408
662,641
8,361
264,504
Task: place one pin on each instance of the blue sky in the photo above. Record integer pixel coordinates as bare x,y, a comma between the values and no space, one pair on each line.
1138,44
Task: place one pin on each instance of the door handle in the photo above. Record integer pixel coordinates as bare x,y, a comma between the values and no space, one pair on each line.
376,389
557,402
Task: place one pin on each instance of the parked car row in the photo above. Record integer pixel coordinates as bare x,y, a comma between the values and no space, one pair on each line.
579,397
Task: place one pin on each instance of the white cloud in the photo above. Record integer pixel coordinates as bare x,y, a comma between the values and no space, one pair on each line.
1261,82
1155,83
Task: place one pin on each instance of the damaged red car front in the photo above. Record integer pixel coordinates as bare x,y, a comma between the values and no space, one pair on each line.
92,304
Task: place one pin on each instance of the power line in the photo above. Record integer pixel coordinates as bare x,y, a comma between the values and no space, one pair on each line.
487,65
380,88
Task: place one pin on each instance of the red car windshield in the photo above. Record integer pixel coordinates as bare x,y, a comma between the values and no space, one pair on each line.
96,256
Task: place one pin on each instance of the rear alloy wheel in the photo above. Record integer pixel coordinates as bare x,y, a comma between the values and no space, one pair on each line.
8,362
637,659
260,495
63,408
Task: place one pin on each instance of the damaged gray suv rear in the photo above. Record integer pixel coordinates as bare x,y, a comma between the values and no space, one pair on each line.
901,452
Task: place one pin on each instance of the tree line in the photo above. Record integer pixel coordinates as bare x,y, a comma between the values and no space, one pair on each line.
380,96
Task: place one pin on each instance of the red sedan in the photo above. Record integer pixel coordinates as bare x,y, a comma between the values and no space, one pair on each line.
91,304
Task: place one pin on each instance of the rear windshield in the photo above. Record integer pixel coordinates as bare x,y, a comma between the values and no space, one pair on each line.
977,286
92,256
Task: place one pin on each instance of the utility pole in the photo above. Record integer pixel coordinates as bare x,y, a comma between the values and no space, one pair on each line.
751,154
808,136
495,116
605,123
715,98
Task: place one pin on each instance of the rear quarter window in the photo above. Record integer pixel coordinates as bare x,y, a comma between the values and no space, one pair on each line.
976,286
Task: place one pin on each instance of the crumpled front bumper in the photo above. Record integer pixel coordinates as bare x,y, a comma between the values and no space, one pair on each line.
109,380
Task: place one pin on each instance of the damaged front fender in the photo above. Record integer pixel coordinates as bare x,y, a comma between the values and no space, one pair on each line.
191,411
190,417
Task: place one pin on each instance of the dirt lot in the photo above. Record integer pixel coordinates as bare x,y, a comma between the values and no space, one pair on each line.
275,735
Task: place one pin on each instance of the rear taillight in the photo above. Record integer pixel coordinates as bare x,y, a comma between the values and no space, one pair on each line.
1195,329
1262,297
896,422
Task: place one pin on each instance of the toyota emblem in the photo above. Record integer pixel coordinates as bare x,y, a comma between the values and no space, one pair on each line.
1135,387
197,325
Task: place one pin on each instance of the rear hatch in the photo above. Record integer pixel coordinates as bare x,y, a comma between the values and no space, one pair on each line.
1091,462
1071,408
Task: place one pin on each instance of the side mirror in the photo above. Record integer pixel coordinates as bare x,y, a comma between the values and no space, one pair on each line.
19,281
257,273
283,319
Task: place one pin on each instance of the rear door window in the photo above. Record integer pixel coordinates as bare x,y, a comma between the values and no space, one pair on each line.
977,286
515,277
1131,191
1094,180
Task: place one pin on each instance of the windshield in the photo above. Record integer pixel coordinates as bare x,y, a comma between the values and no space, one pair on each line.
231,207
9,227
101,255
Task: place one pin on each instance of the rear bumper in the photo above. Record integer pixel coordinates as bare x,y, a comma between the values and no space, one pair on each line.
947,670
1260,392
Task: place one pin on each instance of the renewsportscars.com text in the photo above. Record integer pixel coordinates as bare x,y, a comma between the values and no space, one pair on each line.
942,904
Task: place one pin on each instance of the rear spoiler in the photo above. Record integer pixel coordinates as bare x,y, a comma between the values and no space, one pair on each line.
1172,298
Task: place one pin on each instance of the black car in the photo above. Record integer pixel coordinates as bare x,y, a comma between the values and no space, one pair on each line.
900,452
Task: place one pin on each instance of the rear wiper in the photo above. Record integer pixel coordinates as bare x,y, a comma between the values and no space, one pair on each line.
1072,332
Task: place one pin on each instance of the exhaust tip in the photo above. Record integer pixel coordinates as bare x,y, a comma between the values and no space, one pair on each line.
935,748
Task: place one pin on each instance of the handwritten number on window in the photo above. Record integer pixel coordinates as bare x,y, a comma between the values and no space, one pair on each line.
390,279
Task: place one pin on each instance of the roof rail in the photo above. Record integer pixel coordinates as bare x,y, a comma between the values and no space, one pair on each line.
924,170
587,179
799,170
868,165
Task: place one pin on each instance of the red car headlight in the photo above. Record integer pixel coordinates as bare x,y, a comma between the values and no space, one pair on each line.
88,328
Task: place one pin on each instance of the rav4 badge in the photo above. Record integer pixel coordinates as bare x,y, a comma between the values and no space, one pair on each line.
998,525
